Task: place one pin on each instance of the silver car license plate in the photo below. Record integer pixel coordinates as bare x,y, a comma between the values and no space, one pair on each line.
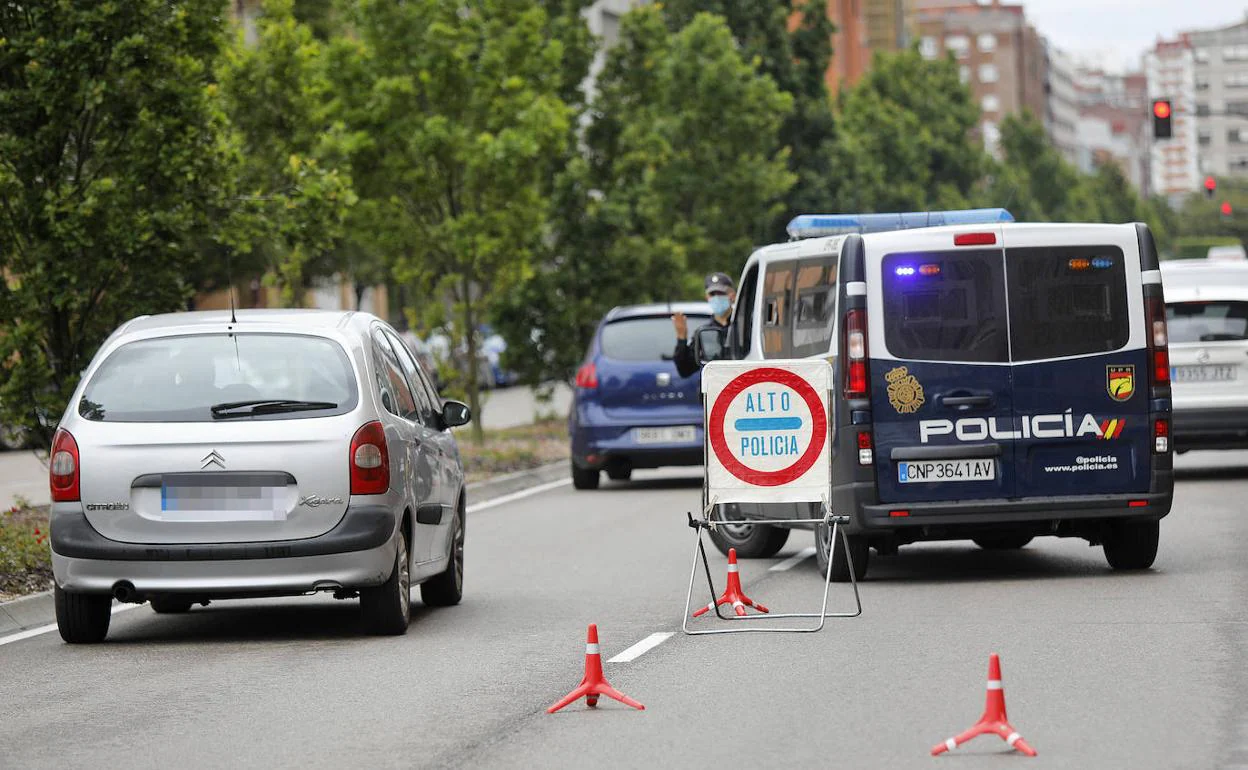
679,434
223,497
1204,373
929,471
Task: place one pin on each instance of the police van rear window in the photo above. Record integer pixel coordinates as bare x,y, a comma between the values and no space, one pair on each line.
945,306
1066,301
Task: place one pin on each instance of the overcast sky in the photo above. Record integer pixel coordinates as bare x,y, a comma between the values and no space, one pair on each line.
1117,32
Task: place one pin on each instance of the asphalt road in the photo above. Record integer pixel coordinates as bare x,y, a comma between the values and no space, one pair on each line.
1101,670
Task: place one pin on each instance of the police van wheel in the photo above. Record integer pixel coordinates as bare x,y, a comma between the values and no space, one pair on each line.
585,478
1003,542
757,541
859,550
1132,544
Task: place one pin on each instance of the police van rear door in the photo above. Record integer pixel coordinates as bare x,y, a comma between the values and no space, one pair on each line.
942,400
1077,339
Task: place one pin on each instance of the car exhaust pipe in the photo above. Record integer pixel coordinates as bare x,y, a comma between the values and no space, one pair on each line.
126,593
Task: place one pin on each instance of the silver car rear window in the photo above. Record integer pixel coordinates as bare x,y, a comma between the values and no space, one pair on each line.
181,378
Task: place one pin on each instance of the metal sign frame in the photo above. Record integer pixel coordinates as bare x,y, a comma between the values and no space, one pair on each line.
712,517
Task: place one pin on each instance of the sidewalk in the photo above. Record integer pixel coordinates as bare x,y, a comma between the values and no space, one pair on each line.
23,474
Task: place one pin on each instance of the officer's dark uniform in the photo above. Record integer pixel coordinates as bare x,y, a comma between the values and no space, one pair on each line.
686,362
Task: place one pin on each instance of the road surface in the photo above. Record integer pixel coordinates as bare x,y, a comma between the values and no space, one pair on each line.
1101,669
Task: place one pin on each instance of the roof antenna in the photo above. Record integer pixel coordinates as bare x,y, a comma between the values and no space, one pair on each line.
229,276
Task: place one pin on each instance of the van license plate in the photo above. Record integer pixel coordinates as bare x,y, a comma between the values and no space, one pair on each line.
680,434
947,470
1210,373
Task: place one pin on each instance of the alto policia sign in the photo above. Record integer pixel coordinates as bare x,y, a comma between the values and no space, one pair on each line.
768,431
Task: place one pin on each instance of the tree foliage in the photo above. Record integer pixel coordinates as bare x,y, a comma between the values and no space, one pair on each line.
113,165
682,161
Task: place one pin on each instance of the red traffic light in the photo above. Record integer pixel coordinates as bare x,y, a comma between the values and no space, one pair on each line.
1226,208
1161,108
1211,184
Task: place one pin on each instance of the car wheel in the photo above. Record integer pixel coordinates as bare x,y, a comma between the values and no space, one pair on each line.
446,589
859,550
1132,544
620,474
584,478
752,541
1003,542
387,608
170,605
82,618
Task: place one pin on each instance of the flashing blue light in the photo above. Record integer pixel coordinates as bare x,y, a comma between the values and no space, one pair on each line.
816,225
904,271
1101,263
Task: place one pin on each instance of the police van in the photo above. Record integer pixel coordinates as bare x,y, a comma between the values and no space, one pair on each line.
999,380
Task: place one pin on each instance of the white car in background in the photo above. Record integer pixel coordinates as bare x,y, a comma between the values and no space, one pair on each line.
1207,314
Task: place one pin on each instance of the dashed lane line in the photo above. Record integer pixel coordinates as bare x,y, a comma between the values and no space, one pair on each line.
537,490
41,630
642,647
793,560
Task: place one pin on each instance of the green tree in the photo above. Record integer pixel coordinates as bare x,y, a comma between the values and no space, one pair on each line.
113,165
462,112
682,159
905,137
293,169
790,41
1033,180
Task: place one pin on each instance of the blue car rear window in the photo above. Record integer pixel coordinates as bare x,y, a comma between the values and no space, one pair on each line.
645,338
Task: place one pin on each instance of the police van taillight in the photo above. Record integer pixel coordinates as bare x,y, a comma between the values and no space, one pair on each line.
1158,341
854,343
1161,435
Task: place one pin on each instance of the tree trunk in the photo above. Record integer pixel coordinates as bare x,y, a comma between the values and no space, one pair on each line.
474,388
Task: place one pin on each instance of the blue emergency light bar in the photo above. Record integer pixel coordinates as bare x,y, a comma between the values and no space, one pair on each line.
817,225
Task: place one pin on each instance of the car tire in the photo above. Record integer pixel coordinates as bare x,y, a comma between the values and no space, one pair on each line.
387,609
1003,542
82,618
170,605
585,478
447,588
1131,544
619,474
753,542
859,550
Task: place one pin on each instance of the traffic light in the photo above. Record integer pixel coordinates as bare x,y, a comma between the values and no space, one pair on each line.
1211,186
1162,129
1226,209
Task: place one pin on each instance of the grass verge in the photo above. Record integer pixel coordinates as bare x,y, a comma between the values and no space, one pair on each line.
25,556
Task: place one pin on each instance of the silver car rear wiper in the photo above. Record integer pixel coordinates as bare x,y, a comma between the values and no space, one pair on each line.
267,406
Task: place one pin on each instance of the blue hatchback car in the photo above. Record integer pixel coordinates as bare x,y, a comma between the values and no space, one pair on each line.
632,409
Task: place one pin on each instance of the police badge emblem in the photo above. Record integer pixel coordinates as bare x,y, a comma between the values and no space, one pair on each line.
905,392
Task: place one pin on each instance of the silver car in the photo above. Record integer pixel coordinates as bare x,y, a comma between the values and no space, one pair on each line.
281,452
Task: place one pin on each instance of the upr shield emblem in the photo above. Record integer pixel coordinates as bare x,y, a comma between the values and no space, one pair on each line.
904,391
1120,382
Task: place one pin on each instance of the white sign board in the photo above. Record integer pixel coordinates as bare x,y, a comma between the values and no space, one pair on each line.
768,429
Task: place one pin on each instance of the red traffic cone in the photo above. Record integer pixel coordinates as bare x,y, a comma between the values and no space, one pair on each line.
594,683
993,720
733,594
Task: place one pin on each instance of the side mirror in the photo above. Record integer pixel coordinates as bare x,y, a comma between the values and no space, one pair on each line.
455,414
709,343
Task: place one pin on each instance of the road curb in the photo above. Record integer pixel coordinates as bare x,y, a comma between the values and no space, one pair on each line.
40,609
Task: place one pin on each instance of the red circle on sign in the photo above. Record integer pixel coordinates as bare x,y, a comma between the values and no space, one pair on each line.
739,469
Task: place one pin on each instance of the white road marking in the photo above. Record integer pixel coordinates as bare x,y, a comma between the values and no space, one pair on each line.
793,560
40,630
642,647
497,501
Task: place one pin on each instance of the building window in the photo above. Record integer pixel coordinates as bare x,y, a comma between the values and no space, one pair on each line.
1202,110
987,73
964,73
1235,53
986,42
1202,83
927,47
991,103
1204,137
1235,108
1201,55
1237,80
1237,136
960,45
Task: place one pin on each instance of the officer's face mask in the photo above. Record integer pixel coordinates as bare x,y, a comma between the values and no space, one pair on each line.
720,304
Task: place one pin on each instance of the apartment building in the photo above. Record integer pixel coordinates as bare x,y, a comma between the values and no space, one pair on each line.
1000,56
1220,83
891,24
1171,74
1061,117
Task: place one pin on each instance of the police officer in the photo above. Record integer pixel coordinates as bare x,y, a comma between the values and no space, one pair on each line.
721,293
